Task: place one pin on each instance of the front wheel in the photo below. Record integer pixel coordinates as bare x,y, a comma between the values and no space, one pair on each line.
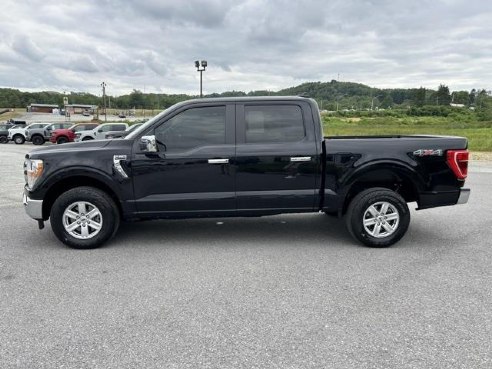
4,139
19,139
84,217
377,217
61,140
87,138
37,140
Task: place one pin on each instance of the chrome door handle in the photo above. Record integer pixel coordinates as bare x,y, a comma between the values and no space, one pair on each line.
218,161
300,158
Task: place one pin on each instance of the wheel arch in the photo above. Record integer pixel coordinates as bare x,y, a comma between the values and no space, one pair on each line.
62,136
395,176
35,135
77,179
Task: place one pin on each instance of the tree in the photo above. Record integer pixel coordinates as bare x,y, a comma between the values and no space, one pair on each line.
460,97
472,97
443,96
484,105
136,99
419,97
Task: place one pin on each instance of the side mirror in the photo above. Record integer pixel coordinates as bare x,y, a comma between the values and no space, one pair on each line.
100,130
147,144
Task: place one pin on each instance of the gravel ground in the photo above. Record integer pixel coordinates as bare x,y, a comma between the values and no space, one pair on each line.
290,291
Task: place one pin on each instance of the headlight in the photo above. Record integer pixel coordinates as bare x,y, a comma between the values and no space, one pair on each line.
33,169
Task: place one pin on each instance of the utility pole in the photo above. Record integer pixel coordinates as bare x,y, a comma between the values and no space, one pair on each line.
103,85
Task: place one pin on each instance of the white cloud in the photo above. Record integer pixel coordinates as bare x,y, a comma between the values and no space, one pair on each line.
250,44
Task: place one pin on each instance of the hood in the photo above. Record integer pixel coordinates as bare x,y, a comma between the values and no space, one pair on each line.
80,146
72,146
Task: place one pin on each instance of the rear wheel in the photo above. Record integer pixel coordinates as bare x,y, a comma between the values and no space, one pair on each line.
4,139
377,217
84,217
37,140
19,139
61,140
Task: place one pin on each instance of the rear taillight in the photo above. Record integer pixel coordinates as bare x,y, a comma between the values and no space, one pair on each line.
458,162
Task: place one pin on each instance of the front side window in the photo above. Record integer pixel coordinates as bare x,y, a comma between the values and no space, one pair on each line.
273,123
105,128
193,128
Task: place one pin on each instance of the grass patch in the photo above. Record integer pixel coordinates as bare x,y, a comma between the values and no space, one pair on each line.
479,134
12,114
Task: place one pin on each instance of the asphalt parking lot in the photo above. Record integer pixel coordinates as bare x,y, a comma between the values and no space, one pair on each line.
290,291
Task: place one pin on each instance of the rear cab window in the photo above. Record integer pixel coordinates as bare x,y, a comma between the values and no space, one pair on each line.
273,124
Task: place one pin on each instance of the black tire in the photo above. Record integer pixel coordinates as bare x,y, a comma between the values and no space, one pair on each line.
61,140
37,140
109,216
87,138
4,139
359,209
18,139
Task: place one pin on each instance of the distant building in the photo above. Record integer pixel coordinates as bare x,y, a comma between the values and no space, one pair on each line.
80,108
457,105
42,108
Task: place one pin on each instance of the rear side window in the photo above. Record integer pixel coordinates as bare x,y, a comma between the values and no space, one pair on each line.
274,123
117,127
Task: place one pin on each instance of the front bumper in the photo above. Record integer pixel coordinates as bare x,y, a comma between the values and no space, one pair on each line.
34,208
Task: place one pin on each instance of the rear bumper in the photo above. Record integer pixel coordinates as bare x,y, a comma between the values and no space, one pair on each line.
434,199
34,208
464,196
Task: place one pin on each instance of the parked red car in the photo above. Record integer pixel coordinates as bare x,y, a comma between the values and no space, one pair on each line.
61,136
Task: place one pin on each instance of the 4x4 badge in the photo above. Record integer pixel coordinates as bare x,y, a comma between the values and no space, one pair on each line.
428,152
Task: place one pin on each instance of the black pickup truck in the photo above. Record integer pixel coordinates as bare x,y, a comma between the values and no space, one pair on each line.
242,157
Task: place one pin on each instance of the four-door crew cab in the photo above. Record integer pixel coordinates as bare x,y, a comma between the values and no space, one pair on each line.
99,132
18,134
242,157
38,136
64,135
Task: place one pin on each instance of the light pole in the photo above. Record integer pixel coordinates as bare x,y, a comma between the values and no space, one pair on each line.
372,101
200,65
103,85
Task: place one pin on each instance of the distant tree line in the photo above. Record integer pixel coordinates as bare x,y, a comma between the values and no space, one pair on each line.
333,95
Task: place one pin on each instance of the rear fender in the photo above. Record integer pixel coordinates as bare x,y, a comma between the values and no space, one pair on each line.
380,173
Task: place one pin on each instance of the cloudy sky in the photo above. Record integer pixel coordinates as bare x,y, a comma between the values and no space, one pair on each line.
249,45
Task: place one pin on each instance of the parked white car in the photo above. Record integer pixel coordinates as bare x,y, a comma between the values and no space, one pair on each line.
99,132
18,133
